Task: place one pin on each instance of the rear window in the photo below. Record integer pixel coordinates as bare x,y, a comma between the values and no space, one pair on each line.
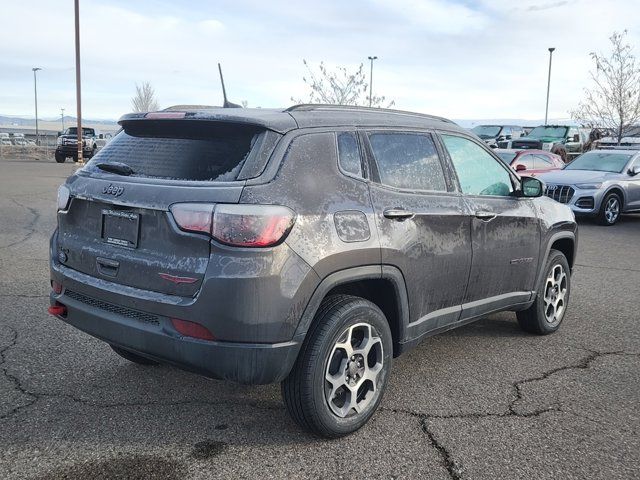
181,150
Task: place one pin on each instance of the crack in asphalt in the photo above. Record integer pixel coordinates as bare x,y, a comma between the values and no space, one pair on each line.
455,468
34,396
13,378
31,226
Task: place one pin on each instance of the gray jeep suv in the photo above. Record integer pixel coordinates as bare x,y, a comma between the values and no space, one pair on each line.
307,246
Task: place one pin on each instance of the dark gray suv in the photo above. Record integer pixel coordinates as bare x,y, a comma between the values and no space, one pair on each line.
307,246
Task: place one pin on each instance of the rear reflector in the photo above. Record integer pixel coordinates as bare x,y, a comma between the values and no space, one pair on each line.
241,225
191,329
58,310
56,287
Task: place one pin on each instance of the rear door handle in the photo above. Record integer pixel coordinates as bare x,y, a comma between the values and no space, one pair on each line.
486,216
397,213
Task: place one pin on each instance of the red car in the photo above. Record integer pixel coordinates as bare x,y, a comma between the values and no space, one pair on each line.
530,162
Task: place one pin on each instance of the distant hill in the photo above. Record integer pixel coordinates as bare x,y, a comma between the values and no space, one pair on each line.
21,121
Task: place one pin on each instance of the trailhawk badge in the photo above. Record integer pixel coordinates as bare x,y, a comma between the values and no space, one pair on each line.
114,190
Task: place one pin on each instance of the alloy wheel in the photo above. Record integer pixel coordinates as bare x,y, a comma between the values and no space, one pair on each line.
612,209
555,292
353,370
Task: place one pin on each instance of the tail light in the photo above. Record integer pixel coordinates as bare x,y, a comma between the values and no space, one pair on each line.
236,225
63,197
192,329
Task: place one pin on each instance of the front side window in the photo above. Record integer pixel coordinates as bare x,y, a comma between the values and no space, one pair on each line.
349,153
479,173
408,160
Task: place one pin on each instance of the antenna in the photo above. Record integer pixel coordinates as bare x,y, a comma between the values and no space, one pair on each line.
227,103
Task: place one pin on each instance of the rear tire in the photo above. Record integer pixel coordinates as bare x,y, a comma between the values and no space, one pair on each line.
342,369
60,158
610,209
552,298
133,357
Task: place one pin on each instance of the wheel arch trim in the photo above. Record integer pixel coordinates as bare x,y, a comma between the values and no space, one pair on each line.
351,275
552,239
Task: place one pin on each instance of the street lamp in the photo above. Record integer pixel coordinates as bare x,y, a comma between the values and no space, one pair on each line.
546,110
62,118
78,89
371,59
35,91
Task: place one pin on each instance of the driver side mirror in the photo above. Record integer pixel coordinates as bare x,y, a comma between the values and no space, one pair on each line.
520,167
633,171
576,138
508,137
531,187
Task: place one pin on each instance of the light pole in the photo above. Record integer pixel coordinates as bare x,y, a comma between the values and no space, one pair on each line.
371,59
62,118
35,91
78,90
546,110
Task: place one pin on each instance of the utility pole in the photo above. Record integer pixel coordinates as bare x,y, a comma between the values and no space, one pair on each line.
35,91
78,89
62,117
371,59
546,110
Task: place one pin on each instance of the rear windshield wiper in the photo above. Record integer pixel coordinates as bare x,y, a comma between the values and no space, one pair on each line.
116,167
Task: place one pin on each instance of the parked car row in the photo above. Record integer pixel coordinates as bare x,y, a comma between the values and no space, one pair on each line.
7,139
566,141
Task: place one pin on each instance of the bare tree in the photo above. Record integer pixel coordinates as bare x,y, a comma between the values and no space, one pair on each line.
339,87
145,98
614,100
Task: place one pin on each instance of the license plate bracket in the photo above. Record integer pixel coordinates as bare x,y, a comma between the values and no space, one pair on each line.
120,228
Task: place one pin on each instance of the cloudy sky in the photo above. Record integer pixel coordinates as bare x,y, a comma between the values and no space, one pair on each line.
455,58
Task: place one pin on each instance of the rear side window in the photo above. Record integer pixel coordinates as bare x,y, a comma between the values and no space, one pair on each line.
181,150
349,153
408,160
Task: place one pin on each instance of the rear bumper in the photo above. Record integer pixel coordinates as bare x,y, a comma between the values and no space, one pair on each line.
155,338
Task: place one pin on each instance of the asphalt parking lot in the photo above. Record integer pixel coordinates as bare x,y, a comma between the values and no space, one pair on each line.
484,401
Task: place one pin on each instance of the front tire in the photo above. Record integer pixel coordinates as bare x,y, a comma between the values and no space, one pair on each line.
552,298
132,357
610,210
342,369
60,158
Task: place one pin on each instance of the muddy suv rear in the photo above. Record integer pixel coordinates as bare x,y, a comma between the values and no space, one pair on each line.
154,254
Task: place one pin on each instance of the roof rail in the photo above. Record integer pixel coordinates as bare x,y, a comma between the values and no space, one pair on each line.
306,107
